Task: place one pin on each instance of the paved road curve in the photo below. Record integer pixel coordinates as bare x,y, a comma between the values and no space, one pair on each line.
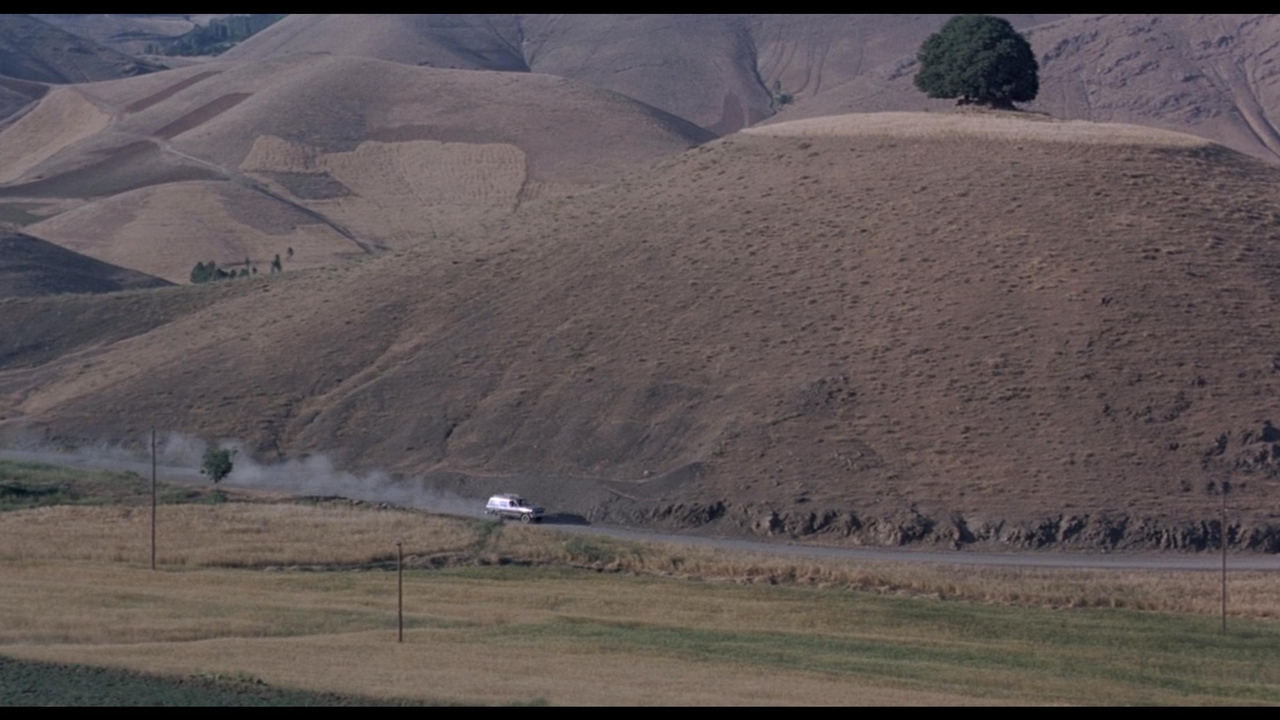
1116,561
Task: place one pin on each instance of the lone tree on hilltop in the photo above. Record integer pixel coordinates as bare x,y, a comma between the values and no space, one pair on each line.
217,463
978,59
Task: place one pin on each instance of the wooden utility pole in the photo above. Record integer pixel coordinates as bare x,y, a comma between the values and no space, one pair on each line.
153,498
400,591
1223,531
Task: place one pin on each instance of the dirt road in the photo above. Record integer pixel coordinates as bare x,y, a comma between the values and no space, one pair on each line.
457,506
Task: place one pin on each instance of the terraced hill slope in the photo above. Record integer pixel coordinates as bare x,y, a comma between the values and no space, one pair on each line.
860,329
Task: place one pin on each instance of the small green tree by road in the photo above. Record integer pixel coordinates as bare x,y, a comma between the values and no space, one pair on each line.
978,59
217,463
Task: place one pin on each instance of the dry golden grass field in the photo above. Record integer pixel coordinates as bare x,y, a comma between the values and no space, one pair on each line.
301,595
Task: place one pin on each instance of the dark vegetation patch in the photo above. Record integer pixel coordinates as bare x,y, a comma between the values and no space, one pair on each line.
25,683
310,186
154,98
202,115
26,485
221,34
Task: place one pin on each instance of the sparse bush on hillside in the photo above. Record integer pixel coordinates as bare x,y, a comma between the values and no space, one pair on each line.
781,98
217,463
978,59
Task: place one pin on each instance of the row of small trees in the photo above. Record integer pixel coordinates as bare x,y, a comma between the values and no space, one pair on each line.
205,272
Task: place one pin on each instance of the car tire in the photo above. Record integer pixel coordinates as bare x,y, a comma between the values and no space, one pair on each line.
526,518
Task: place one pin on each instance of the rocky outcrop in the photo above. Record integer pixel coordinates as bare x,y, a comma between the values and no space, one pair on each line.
842,526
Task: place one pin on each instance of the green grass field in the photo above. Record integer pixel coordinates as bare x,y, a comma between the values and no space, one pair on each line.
1072,656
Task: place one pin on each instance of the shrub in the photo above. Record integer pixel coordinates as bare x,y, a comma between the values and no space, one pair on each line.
217,463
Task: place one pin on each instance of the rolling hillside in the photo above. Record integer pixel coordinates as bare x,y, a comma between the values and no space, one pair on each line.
718,71
32,267
132,34
862,329
460,42
1215,76
31,49
328,156
1209,75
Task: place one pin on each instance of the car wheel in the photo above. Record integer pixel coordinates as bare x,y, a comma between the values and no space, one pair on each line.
525,519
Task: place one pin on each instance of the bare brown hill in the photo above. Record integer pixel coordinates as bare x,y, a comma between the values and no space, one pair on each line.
30,266
16,96
131,34
863,329
724,72
718,71
1210,75
325,155
31,49
461,42
1216,76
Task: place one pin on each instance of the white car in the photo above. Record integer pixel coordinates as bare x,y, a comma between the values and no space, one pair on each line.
513,506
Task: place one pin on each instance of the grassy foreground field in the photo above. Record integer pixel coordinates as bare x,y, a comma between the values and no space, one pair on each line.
297,598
